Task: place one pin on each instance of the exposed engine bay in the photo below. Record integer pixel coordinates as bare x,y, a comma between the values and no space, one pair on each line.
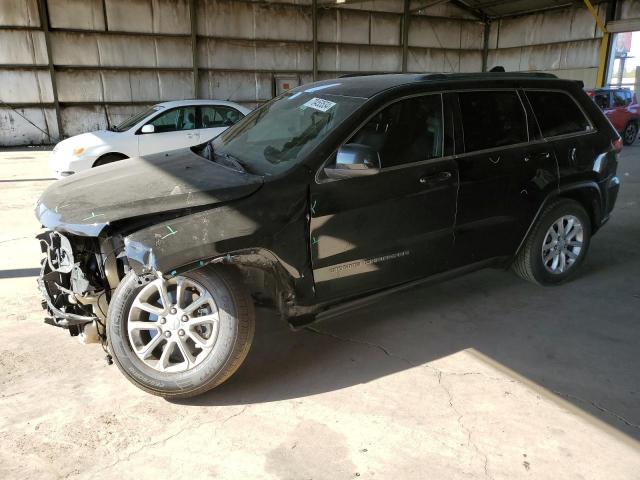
74,282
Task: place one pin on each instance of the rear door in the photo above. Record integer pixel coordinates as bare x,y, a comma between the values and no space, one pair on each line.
215,119
566,127
503,171
395,226
175,128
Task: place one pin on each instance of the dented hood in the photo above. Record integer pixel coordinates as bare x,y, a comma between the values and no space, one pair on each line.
86,202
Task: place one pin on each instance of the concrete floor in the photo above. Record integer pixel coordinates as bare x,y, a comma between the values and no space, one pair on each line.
482,376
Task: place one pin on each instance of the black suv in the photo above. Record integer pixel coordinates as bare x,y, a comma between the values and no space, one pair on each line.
329,195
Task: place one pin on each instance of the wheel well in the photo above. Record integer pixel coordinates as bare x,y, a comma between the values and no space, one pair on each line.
589,198
113,155
267,281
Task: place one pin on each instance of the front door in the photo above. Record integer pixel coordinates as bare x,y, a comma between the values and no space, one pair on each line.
380,230
175,128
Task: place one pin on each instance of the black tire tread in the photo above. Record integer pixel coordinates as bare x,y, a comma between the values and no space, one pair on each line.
523,263
232,279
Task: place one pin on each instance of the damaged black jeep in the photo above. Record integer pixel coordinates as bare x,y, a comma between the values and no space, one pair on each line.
326,197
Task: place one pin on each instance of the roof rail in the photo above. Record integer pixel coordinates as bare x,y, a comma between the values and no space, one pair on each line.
364,74
480,75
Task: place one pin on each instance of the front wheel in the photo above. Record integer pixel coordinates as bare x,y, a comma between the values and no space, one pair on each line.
180,337
630,133
557,244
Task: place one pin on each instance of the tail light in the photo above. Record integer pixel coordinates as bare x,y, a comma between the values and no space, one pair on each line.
617,145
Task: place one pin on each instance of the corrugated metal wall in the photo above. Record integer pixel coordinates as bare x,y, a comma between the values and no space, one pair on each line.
110,58
564,42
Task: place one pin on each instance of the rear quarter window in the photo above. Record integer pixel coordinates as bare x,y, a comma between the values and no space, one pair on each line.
557,113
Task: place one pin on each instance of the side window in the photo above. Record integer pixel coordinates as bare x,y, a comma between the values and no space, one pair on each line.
492,119
601,99
218,116
619,98
557,113
408,131
175,120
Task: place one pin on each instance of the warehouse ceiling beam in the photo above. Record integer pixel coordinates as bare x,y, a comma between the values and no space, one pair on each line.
44,24
474,11
429,4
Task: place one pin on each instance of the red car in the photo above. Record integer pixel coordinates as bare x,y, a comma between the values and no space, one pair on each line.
621,108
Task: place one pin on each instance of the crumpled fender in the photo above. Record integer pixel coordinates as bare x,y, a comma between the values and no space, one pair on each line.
184,240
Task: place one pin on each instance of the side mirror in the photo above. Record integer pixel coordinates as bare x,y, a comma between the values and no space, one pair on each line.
148,128
354,160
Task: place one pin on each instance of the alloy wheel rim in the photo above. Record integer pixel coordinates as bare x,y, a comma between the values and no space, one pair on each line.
562,244
630,133
173,324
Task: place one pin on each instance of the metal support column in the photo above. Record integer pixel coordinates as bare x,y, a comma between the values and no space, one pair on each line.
44,24
194,47
605,44
406,20
314,30
485,46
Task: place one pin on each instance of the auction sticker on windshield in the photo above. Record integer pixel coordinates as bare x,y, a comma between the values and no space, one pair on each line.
319,104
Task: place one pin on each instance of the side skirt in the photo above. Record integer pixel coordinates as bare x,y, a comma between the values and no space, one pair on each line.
326,311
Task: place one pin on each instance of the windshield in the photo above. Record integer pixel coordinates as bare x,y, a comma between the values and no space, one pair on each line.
138,117
282,132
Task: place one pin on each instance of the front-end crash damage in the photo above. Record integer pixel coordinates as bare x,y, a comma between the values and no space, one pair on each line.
228,235
187,214
73,282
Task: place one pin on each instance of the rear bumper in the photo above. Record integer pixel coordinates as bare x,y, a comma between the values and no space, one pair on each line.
612,187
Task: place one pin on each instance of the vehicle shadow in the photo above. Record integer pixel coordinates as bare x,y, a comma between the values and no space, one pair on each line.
547,335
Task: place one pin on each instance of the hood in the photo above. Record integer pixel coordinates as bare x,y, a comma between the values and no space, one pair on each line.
87,140
86,202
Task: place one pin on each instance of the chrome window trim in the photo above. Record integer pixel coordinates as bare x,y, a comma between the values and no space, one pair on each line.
465,154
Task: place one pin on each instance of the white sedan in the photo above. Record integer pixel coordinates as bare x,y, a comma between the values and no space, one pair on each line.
165,126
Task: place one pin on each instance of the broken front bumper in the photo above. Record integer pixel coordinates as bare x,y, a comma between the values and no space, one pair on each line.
59,279
58,317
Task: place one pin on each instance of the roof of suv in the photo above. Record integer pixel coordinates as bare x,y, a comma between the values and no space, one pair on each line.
369,85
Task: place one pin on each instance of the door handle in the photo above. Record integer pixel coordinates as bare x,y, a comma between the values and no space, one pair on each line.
543,156
437,177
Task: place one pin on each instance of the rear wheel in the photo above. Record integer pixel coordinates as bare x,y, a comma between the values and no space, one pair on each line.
557,245
180,337
109,158
630,133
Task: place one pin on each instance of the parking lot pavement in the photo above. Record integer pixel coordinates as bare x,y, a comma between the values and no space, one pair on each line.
484,376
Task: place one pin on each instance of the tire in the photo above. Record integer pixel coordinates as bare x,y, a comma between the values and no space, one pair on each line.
529,263
108,158
230,345
630,133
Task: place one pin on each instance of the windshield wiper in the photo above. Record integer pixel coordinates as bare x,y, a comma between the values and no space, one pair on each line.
232,162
